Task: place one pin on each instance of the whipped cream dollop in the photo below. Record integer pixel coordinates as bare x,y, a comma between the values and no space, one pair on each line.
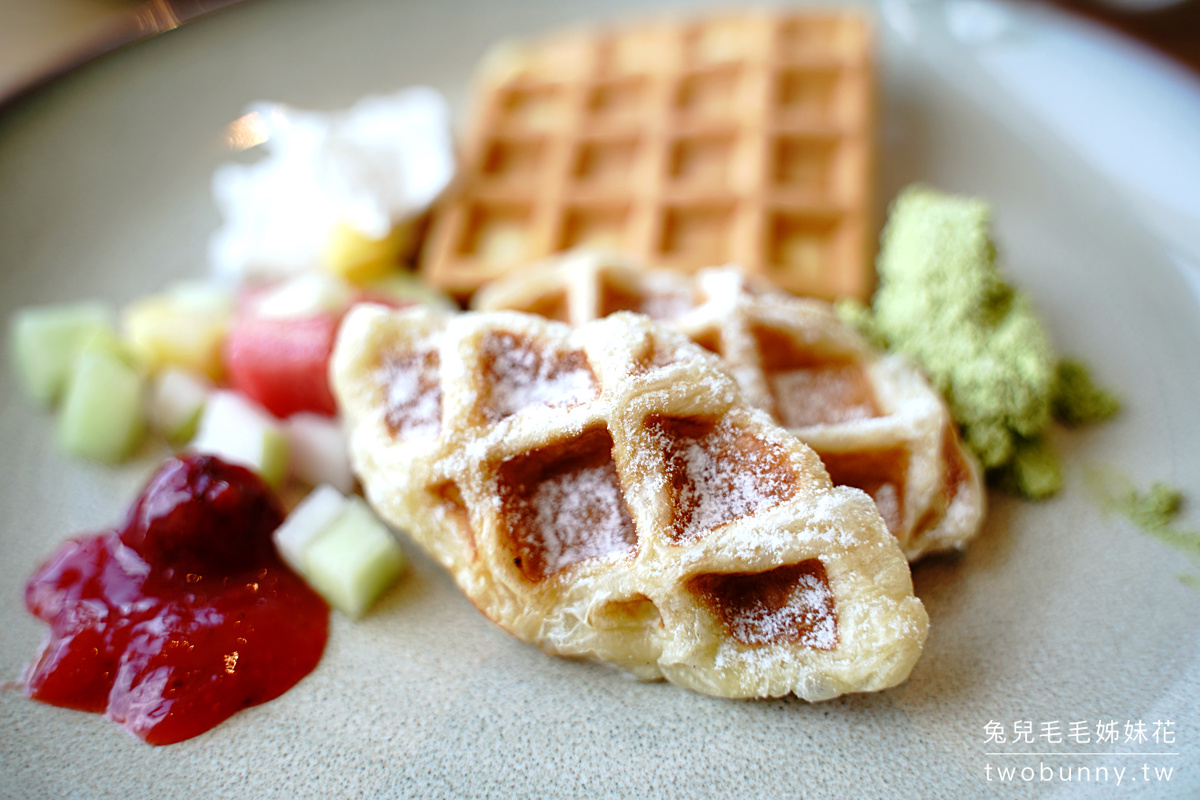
370,167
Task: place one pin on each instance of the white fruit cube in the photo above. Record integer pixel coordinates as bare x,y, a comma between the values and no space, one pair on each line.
176,399
353,560
103,414
318,452
44,341
236,430
308,520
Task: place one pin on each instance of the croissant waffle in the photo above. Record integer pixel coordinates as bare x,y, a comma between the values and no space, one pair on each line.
742,137
873,418
604,491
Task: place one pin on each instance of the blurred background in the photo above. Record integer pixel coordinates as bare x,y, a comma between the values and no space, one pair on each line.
42,38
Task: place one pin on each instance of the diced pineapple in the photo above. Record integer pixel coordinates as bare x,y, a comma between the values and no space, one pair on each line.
358,258
182,327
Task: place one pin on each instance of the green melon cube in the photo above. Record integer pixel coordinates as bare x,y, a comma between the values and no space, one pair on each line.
311,517
103,414
354,560
44,341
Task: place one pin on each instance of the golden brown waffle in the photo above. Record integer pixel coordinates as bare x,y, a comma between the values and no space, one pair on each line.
742,138
873,418
605,491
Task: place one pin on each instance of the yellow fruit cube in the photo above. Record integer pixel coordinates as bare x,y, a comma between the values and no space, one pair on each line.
358,258
175,330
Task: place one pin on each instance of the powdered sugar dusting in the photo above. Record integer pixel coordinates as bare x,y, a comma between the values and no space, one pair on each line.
564,503
887,500
790,604
821,395
880,473
720,473
667,305
521,374
582,515
806,610
413,401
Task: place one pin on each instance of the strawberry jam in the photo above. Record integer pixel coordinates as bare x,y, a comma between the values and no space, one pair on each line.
181,618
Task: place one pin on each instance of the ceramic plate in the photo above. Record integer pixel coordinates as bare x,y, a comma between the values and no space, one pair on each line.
1057,619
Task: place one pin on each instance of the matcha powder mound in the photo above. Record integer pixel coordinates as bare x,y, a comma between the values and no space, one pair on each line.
942,301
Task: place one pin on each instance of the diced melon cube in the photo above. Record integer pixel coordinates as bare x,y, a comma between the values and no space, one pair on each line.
354,560
44,341
103,412
236,430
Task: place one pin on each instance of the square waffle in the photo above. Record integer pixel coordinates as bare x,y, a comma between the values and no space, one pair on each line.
744,138
606,491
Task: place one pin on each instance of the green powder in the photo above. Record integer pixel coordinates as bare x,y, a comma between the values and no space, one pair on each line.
1077,399
1033,471
942,300
1154,511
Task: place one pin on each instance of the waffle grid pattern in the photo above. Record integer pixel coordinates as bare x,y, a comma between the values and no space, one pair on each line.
873,418
605,491
743,138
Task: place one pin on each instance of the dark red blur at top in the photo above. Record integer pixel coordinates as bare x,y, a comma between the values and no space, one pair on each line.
181,618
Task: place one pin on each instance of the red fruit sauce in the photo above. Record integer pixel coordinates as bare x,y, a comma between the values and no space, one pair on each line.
181,618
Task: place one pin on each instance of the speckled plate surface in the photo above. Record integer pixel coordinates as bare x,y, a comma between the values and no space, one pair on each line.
1058,615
